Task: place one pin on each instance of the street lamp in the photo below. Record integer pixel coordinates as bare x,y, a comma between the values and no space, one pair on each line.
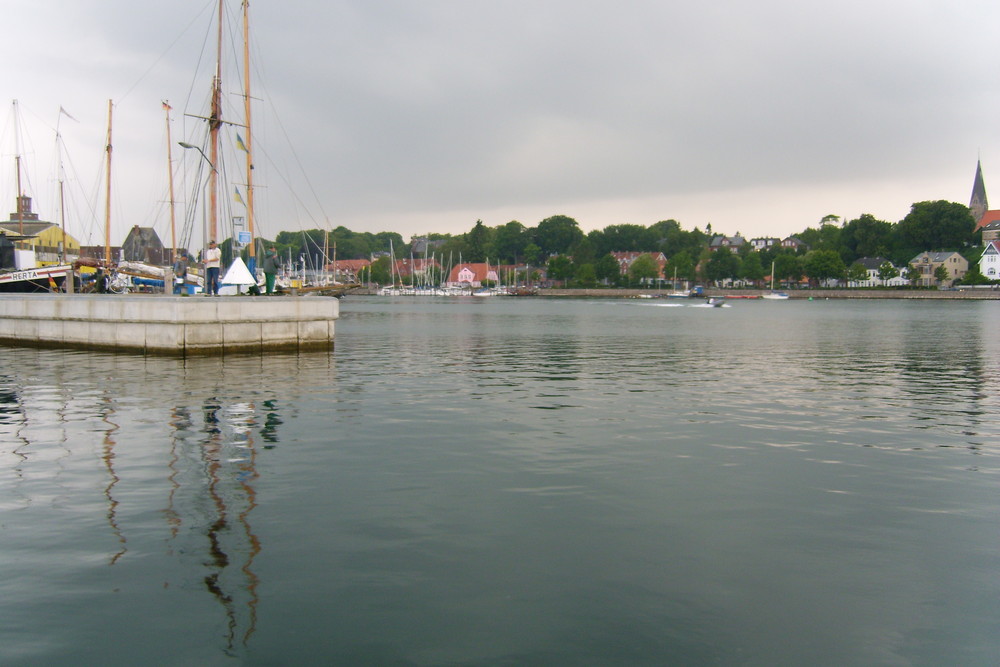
184,144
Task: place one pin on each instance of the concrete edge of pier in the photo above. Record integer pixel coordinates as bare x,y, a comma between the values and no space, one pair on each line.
168,325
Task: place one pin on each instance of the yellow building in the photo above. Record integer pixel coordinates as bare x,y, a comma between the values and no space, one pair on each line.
47,239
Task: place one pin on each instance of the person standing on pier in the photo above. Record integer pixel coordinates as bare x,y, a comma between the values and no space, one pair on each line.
180,272
212,259
270,266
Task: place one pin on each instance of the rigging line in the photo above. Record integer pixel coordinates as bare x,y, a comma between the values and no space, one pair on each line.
163,55
298,161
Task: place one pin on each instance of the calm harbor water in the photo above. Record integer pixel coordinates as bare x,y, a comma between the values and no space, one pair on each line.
516,481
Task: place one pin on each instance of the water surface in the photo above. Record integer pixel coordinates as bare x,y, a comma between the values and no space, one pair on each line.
516,481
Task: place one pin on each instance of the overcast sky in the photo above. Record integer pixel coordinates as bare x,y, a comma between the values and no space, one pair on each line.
422,116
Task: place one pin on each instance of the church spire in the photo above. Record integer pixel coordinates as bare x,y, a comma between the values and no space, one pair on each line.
978,205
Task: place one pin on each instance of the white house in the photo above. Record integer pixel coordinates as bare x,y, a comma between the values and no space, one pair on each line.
989,263
872,266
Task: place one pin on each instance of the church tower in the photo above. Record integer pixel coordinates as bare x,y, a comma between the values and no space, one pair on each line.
978,205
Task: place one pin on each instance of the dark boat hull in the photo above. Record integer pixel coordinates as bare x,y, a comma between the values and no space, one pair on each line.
28,281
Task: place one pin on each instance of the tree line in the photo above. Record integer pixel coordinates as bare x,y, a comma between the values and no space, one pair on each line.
829,250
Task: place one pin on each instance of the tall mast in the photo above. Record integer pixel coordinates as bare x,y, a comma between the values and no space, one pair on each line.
214,122
62,213
17,165
107,205
170,181
249,131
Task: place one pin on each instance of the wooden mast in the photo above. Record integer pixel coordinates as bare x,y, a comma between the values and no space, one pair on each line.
62,215
249,142
170,182
214,122
107,205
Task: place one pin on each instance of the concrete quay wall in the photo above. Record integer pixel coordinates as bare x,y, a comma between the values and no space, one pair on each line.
169,325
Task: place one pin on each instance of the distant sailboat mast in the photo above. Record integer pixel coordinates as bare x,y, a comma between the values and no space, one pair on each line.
170,183
107,192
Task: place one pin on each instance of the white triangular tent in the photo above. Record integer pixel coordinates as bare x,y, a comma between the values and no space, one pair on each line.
238,274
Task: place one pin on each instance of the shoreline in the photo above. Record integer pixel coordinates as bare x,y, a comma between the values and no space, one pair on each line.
968,293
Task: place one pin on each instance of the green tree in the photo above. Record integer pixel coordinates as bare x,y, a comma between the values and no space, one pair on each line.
586,276
627,238
751,269
827,237
866,237
722,265
683,264
509,241
555,235
821,265
936,225
606,268
477,240
560,268
381,272
886,271
532,254
644,268
974,277
941,274
583,252
857,273
787,267
912,274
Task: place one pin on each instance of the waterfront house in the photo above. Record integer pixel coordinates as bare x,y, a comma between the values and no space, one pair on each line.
472,275
991,232
928,262
989,263
872,266
794,243
415,269
625,260
988,218
348,270
763,243
734,243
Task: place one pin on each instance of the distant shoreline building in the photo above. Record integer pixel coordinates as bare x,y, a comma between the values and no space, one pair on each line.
979,206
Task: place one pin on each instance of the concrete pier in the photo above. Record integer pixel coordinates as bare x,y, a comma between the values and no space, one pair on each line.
168,325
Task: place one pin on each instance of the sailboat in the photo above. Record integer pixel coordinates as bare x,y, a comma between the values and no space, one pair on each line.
677,294
19,269
773,294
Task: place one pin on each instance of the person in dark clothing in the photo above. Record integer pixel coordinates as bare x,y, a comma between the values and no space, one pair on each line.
270,267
